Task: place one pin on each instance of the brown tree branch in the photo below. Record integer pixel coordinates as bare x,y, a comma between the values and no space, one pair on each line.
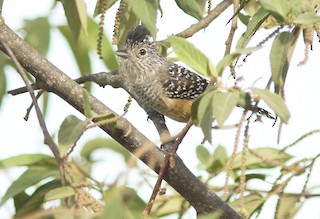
178,176
204,22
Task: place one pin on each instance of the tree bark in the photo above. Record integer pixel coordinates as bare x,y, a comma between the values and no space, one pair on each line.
179,176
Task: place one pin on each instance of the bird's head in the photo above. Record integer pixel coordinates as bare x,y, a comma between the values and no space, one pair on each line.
139,51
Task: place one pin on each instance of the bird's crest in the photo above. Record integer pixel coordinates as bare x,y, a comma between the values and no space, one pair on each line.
139,34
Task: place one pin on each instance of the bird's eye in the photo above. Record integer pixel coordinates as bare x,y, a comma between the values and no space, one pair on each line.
142,52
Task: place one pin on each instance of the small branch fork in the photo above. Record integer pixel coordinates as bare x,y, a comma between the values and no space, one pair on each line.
168,160
47,138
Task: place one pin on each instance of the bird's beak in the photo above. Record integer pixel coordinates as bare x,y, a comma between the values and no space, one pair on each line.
122,53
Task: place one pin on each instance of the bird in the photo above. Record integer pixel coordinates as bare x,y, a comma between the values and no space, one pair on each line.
166,87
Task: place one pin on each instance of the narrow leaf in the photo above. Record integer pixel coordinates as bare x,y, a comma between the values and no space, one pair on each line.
254,162
275,102
100,8
36,200
287,206
223,104
24,160
192,56
252,202
70,131
59,193
254,24
220,159
202,113
30,177
146,11
307,18
76,14
86,104
280,56
193,8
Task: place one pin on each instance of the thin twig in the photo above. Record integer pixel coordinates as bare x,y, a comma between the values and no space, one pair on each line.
47,138
233,27
101,78
300,139
242,181
233,155
204,22
164,167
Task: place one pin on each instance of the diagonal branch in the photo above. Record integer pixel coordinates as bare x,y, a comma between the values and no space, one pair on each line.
204,22
178,176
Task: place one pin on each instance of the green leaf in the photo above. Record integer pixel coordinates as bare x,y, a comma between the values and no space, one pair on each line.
252,202
70,131
287,206
192,56
104,143
38,33
60,193
203,155
76,14
25,160
252,176
35,201
254,24
146,11
20,199
166,205
254,162
193,8
228,59
202,113
279,9
275,102
223,104
244,18
280,56
220,160
122,202
30,177
307,18
100,8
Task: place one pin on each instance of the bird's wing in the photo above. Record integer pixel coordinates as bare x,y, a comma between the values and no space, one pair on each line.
183,84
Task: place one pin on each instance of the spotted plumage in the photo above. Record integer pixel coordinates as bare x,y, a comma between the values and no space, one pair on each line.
183,83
